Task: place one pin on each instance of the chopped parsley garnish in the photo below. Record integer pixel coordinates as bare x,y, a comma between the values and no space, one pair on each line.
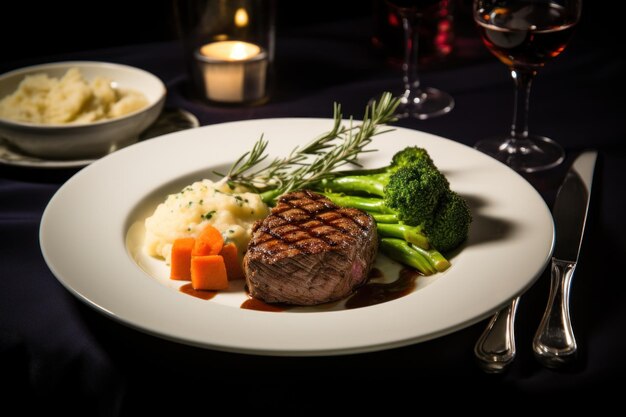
207,215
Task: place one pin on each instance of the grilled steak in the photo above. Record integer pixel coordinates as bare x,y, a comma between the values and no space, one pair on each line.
309,251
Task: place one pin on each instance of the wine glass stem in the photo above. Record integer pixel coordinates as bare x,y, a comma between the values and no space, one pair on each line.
409,67
523,82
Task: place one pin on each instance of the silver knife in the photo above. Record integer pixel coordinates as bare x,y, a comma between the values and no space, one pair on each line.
554,343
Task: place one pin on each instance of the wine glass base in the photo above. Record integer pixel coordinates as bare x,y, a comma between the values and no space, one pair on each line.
424,104
536,153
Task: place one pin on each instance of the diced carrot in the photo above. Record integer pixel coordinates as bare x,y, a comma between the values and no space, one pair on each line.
180,268
208,242
231,260
208,273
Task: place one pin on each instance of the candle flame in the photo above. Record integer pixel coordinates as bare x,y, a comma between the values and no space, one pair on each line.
238,51
230,50
241,17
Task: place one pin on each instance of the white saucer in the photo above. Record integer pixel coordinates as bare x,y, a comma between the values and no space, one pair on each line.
170,120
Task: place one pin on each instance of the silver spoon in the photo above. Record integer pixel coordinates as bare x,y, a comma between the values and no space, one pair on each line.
495,349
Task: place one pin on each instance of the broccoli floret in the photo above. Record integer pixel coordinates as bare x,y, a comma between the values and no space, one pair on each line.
416,213
414,192
449,225
410,155
374,181
411,185
445,229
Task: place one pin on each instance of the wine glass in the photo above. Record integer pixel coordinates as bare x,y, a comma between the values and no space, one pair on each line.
524,35
416,101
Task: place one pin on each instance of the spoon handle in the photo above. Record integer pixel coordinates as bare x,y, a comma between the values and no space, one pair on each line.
495,349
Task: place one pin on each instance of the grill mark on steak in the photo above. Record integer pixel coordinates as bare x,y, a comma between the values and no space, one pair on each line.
296,220
309,251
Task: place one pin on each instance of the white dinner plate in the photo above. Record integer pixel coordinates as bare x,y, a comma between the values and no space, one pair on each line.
91,235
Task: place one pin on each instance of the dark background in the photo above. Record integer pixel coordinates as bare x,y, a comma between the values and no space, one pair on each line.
59,29
33,31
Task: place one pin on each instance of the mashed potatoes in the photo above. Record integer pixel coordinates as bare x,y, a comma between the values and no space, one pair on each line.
71,99
231,211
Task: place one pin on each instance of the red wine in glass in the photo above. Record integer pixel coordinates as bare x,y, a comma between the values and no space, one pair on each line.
436,37
417,101
524,35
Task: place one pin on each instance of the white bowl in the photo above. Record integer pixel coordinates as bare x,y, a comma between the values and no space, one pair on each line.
84,140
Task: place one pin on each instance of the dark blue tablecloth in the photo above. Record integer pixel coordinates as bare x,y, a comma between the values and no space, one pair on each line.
61,355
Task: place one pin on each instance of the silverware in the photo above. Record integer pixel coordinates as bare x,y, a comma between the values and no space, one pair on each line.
554,343
495,349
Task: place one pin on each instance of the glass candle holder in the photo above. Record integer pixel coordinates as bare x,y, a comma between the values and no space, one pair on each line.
229,48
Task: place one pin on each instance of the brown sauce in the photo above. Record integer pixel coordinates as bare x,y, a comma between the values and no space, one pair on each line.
258,305
204,294
374,293
375,273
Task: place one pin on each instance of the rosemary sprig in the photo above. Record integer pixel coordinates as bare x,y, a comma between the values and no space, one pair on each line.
318,159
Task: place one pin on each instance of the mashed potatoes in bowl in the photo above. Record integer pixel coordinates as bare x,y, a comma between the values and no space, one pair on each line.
40,98
90,118
232,211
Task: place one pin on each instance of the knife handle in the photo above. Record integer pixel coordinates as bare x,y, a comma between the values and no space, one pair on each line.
495,349
554,344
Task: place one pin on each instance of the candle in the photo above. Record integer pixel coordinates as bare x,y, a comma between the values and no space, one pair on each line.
233,71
